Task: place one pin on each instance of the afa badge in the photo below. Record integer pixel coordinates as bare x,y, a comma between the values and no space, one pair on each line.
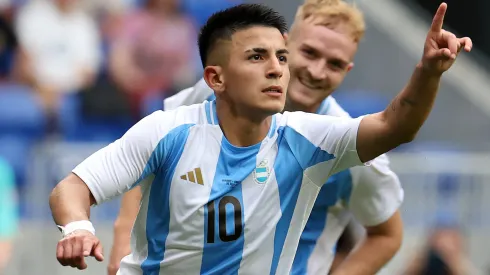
262,172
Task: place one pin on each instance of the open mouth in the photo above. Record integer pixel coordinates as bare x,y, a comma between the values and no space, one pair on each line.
273,90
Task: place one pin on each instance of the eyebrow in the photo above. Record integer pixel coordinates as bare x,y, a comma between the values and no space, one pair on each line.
264,51
282,51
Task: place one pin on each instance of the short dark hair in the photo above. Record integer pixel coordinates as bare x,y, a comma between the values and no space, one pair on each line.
223,24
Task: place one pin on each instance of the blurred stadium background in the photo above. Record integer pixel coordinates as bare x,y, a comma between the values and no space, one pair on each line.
67,89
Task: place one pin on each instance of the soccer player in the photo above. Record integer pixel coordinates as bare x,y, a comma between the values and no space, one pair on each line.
234,181
321,52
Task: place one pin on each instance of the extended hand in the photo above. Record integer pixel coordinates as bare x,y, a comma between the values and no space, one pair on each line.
73,249
442,47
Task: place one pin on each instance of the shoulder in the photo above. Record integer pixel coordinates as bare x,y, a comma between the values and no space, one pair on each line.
291,118
333,108
185,114
160,131
162,122
301,121
192,95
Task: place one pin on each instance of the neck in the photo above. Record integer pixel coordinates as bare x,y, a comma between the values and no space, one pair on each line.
297,107
240,130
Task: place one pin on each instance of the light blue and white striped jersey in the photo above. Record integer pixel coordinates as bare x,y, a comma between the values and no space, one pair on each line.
370,194
213,208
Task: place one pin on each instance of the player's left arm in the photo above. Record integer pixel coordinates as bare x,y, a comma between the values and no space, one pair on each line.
105,174
121,245
374,201
110,171
380,245
402,119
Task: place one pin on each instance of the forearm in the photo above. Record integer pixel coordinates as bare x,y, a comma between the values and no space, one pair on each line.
372,254
123,225
401,120
70,201
122,239
411,107
121,246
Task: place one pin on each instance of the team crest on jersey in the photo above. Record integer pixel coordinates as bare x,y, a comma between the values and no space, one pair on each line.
262,172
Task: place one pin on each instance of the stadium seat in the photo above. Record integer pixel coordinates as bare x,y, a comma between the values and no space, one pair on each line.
20,112
75,127
16,152
22,125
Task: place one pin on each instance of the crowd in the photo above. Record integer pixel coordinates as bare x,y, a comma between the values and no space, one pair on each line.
88,70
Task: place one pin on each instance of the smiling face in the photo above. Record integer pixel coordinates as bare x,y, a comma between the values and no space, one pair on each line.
254,78
320,58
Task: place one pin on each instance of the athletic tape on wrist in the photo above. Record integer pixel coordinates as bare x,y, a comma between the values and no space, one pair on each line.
78,225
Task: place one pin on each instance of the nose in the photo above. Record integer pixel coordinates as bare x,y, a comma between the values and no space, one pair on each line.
275,69
318,71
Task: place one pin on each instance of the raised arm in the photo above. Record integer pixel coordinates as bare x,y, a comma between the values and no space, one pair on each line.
402,119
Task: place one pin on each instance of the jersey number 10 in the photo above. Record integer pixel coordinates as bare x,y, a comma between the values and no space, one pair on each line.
237,219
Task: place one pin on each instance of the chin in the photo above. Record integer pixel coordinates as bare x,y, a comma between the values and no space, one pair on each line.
272,108
303,98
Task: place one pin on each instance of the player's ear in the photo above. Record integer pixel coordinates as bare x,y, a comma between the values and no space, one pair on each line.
214,78
350,66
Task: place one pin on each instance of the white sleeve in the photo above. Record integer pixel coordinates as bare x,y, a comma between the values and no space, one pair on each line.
115,168
335,136
376,192
193,95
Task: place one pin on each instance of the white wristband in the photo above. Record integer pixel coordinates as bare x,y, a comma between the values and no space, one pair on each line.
78,225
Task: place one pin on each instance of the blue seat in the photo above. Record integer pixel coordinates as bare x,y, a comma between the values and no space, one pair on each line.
75,127
16,150
20,111
22,125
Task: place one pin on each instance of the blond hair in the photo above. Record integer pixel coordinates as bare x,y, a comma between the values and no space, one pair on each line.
334,14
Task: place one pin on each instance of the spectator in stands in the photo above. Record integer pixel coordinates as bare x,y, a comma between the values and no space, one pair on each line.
153,51
8,42
98,7
445,253
59,48
8,213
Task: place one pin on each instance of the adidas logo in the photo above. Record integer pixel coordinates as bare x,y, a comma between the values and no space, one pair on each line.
194,176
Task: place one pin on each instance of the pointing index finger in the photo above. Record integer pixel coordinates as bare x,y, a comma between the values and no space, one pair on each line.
438,20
